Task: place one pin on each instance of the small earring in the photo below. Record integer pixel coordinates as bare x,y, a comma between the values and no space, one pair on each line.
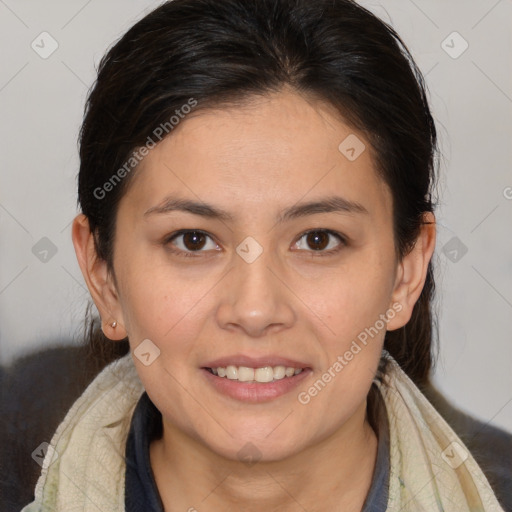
114,324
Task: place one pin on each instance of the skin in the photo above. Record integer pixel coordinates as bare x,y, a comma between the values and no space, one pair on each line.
255,161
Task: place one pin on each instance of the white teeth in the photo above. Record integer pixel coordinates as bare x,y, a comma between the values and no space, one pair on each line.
264,374
279,372
245,374
231,372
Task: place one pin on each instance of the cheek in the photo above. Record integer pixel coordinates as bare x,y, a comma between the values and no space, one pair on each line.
157,313
351,297
354,304
158,302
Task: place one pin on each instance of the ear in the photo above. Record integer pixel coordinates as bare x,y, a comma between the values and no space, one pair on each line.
99,281
412,273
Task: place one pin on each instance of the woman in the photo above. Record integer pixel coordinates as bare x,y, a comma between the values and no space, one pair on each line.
257,228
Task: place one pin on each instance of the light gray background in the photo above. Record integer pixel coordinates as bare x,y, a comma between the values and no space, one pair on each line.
41,102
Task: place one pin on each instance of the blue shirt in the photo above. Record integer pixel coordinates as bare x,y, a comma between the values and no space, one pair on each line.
141,492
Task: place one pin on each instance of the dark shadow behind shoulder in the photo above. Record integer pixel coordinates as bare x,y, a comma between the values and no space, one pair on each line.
38,390
490,446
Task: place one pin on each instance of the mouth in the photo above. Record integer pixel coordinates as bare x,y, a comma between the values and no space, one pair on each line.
254,384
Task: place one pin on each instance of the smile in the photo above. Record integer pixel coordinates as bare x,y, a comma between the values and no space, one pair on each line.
263,374
255,385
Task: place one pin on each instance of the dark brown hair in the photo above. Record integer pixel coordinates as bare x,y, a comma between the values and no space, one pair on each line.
222,52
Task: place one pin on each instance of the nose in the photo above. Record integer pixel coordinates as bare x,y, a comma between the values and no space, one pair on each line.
255,298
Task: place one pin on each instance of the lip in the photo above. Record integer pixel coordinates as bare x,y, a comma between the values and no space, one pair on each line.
254,392
255,362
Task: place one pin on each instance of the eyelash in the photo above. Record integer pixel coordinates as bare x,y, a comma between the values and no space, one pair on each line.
195,254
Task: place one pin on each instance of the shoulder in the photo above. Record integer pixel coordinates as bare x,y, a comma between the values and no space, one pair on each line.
37,391
490,446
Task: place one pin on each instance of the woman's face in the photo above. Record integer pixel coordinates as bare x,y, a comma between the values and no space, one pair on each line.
253,284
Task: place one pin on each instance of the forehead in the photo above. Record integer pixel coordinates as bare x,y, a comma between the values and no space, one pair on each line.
271,151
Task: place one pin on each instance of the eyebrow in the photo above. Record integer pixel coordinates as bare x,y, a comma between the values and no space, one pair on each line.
325,205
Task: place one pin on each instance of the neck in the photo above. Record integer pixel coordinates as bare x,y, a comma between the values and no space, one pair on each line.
336,471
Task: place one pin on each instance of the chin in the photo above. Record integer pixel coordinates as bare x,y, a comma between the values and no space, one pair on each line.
252,449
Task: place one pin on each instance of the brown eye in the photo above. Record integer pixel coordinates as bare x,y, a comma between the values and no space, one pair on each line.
320,239
194,240
317,240
188,242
